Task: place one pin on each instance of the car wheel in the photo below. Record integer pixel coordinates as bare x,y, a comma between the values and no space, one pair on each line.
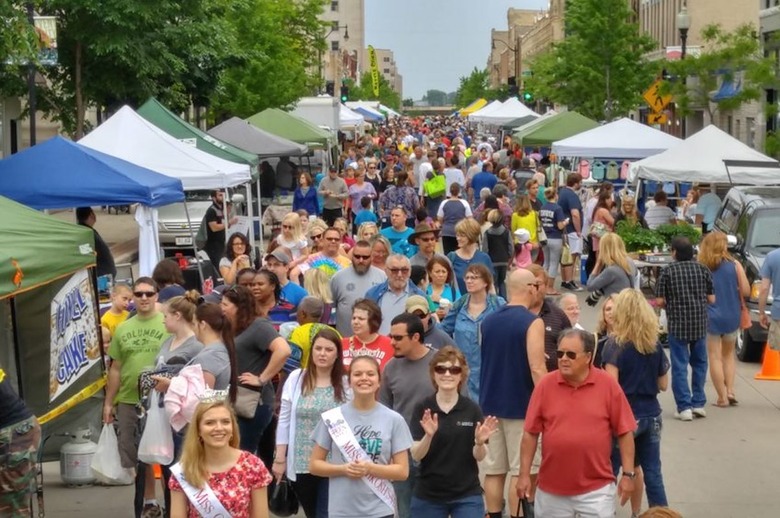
748,350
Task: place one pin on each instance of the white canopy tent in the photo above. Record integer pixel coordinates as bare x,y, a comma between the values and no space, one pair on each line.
700,158
510,110
389,111
620,139
349,118
129,136
490,108
370,106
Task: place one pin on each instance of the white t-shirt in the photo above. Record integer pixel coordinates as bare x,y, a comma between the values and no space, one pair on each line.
295,247
454,176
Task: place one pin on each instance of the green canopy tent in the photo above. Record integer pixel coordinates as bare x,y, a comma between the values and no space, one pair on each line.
517,123
554,128
49,322
291,127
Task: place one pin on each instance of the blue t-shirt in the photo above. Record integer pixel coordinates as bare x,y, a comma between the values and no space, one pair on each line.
568,200
365,216
638,375
399,241
293,293
505,383
550,215
771,270
482,180
708,206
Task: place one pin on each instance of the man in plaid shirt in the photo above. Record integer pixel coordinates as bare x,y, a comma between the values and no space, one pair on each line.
684,288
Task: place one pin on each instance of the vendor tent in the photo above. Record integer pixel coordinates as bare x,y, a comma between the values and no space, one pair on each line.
129,136
291,127
242,134
86,177
349,118
388,112
40,256
511,109
700,158
554,128
620,139
471,108
516,123
374,108
369,115
489,108
156,113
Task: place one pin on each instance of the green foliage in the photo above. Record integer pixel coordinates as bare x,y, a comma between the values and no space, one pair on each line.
669,232
408,102
637,238
18,46
772,144
599,68
435,98
477,86
365,91
725,56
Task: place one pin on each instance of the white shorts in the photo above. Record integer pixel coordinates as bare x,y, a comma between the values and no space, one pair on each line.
601,503
503,450
575,243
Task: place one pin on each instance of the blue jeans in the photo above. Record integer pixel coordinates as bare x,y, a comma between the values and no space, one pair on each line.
647,453
251,430
684,353
466,507
404,489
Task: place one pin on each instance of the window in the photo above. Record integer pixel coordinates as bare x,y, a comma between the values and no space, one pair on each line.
334,25
386,71
334,45
738,132
730,125
386,59
334,5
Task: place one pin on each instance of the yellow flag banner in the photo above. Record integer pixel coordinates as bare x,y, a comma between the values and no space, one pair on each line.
374,70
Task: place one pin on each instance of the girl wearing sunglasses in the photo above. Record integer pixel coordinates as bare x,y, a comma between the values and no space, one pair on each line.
450,436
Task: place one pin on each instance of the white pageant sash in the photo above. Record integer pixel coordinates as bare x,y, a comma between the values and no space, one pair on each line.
348,444
203,500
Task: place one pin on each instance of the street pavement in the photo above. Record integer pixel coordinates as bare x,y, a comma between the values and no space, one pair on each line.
723,466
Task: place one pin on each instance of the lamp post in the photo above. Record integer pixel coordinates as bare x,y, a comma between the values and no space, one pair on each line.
331,31
31,93
514,51
683,24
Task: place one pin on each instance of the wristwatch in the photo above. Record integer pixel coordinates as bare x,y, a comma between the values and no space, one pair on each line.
630,474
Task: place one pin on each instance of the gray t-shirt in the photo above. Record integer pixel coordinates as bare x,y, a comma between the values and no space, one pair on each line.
381,433
215,360
613,279
406,383
419,259
252,354
186,351
347,287
436,338
339,189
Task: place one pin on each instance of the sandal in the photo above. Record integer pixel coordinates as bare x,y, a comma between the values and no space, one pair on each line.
733,400
721,404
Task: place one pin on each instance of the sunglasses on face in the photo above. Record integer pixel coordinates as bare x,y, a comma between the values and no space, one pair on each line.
569,354
396,271
333,239
442,369
317,237
144,294
426,239
287,227
361,257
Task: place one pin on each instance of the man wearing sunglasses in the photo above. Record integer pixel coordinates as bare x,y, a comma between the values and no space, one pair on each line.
578,410
133,348
425,239
392,294
352,283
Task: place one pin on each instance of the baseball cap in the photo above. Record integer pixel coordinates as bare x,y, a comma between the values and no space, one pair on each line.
417,303
522,235
279,255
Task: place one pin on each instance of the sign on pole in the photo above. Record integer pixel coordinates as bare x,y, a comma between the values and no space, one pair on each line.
657,118
374,70
655,100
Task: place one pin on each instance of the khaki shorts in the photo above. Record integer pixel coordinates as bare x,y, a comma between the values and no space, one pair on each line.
127,434
773,338
503,452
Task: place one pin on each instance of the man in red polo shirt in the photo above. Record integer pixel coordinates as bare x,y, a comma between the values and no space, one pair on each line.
578,410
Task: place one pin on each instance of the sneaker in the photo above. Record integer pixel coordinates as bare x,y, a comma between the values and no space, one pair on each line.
573,286
151,511
685,415
699,412
568,285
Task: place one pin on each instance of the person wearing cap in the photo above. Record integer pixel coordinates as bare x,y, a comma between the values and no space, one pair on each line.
352,283
424,238
522,172
334,191
278,262
523,249
434,337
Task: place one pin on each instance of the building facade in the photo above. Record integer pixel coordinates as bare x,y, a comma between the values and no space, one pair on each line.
769,28
387,68
345,39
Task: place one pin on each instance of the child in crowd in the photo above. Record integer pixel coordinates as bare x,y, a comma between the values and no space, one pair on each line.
421,216
419,277
366,213
523,249
121,295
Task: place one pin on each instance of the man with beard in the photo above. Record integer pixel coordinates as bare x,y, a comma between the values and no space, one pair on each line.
352,283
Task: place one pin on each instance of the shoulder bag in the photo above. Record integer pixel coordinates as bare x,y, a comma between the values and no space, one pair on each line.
566,258
541,235
436,187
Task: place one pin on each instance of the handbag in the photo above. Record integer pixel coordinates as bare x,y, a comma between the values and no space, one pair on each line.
282,500
744,315
566,258
246,402
598,229
436,186
541,235
526,507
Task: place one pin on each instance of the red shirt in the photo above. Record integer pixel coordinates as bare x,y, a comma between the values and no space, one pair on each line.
577,426
380,348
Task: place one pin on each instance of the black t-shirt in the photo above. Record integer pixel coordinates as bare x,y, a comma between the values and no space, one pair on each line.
12,408
555,321
252,354
103,258
449,470
215,241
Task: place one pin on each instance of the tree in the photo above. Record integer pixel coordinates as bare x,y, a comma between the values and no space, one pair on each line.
408,102
365,91
435,98
18,46
726,57
280,42
472,87
599,69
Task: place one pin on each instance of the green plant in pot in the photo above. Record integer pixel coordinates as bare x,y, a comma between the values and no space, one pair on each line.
669,232
637,238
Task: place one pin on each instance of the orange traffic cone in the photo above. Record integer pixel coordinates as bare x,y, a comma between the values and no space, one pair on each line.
770,367
158,469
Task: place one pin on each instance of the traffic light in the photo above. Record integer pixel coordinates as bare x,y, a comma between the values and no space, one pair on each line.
528,96
514,90
330,88
344,93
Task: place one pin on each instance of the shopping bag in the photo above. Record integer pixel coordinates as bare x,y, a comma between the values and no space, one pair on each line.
106,464
156,446
282,500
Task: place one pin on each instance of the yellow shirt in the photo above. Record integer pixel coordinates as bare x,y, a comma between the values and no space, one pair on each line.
528,222
302,336
111,320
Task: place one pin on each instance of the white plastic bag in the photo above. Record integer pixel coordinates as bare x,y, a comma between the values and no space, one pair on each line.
156,446
106,464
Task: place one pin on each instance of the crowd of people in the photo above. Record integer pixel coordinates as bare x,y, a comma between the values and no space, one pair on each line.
404,332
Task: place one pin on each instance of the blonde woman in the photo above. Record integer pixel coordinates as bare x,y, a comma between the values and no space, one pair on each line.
380,251
211,459
366,231
629,212
524,216
614,270
468,233
292,238
314,232
636,360
723,316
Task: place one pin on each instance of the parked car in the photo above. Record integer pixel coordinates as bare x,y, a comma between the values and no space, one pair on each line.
749,217
173,227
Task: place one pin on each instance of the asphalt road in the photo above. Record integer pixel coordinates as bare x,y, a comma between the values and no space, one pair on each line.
724,466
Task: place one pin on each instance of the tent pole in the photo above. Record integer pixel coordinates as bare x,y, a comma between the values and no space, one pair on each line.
250,213
260,214
194,246
17,356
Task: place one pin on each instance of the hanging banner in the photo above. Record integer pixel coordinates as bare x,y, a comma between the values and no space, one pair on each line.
75,346
374,70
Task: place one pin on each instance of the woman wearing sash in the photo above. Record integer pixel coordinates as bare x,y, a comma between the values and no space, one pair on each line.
307,393
214,478
367,444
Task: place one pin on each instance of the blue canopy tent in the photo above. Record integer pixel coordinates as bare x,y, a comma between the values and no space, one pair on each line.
61,174
369,116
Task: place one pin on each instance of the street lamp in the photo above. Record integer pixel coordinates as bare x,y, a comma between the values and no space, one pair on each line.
683,24
331,31
514,51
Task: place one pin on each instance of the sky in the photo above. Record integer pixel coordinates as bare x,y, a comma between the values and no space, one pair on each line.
437,41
